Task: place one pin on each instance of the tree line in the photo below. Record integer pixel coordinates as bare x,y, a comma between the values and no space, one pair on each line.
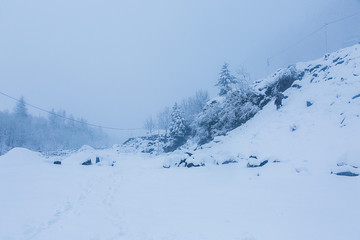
58,131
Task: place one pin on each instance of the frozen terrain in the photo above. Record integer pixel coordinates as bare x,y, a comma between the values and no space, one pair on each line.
138,199
295,194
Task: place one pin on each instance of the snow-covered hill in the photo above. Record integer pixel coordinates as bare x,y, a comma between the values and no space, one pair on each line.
271,178
316,131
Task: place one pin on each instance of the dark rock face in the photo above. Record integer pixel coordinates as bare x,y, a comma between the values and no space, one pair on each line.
296,86
255,165
324,68
57,162
88,162
340,62
347,174
97,159
309,103
183,161
229,161
336,59
189,165
314,68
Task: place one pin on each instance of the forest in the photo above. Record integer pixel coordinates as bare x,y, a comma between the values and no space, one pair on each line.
57,131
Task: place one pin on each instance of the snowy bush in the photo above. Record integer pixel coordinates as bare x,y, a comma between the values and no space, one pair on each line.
224,114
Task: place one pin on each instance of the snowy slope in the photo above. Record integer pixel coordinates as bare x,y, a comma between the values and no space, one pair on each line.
316,130
132,196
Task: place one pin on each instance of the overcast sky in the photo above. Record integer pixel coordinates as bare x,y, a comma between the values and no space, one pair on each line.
116,62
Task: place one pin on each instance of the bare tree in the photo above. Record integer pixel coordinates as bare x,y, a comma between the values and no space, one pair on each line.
192,106
150,124
243,79
164,119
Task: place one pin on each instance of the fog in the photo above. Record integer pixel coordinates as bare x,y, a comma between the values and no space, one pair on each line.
117,62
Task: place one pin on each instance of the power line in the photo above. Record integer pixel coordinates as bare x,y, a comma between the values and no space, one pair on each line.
67,118
310,34
343,18
296,43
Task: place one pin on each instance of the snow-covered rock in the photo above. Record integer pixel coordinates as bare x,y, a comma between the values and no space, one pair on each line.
153,144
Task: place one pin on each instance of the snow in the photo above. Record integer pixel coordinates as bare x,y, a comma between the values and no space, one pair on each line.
130,195
315,137
138,199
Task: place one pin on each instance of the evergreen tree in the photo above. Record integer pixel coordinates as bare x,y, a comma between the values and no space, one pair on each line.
177,126
21,112
226,81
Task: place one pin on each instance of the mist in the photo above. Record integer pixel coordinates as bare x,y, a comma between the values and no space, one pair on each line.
115,63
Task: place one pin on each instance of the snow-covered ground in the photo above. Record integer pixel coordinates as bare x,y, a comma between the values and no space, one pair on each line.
138,199
295,195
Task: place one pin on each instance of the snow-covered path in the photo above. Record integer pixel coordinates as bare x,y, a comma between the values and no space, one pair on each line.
138,199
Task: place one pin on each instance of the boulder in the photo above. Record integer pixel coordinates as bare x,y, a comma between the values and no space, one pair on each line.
57,162
189,154
347,174
183,161
189,165
296,86
229,161
250,165
87,162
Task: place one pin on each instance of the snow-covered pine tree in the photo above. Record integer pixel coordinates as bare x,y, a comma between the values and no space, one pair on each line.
177,126
20,110
226,81
177,130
